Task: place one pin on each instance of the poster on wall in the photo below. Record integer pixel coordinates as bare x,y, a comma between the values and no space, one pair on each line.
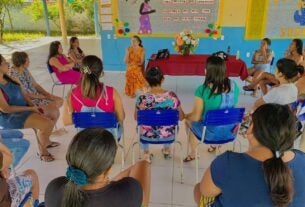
166,18
276,19
286,19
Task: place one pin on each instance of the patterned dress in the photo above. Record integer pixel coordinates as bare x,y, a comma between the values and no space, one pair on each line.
27,83
167,100
145,25
134,75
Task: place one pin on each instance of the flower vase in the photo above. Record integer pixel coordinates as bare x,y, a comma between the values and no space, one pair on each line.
186,52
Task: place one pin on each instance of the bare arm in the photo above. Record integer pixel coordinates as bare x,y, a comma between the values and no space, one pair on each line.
39,88
181,113
67,113
7,157
142,58
196,114
4,107
118,106
207,186
62,68
126,58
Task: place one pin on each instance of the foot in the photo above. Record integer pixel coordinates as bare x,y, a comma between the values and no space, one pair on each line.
211,149
189,158
53,144
46,157
59,132
166,154
148,157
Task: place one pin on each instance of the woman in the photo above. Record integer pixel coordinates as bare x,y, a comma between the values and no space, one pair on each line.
75,53
270,173
217,92
134,59
157,98
14,189
92,95
61,66
39,97
90,158
286,92
261,61
17,113
145,10
295,51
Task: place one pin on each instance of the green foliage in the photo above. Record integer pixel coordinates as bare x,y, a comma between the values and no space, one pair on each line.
14,36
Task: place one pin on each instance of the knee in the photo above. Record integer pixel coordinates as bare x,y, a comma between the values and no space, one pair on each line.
197,193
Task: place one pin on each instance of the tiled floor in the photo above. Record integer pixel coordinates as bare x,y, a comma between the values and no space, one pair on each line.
166,189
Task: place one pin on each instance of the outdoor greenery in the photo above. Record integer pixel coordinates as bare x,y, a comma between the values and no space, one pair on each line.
14,36
5,6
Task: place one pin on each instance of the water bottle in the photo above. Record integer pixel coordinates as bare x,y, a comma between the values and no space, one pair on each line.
228,50
237,55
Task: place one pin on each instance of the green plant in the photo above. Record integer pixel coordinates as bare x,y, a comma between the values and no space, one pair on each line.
5,6
14,36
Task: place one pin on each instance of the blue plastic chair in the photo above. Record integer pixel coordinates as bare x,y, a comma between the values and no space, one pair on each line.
158,118
220,117
57,82
107,120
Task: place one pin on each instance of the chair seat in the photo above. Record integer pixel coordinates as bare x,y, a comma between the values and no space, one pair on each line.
147,140
218,142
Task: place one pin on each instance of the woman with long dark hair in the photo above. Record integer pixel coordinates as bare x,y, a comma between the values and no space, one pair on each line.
90,158
92,95
270,173
61,65
216,92
295,51
75,52
134,59
18,112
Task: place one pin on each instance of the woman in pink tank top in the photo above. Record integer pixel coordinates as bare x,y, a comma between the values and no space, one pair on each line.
91,94
61,65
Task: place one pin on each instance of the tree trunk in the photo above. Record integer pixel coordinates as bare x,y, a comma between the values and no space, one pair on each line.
10,18
2,15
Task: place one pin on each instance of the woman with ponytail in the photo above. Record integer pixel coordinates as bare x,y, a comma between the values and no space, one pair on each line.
269,174
91,95
134,59
90,158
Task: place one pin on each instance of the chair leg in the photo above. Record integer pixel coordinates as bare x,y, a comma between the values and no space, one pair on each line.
197,162
181,161
52,89
132,152
122,156
63,92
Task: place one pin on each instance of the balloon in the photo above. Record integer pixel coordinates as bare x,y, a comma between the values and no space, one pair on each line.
120,31
127,30
126,24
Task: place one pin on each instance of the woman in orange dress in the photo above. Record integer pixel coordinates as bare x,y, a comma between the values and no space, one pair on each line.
134,59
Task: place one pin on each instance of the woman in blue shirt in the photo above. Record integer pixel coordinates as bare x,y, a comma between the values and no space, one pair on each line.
270,173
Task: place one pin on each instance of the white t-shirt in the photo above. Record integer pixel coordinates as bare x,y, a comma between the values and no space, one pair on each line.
283,94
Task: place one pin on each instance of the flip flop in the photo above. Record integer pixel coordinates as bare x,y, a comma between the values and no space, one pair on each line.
45,157
189,158
247,88
211,149
53,144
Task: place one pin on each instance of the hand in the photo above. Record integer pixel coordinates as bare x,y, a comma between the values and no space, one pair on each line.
36,109
153,11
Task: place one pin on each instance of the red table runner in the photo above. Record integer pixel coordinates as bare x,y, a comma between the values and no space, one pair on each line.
179,65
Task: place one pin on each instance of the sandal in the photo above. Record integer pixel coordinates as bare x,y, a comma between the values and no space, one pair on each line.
189,158
211,149
45,158
166,155
53,144
248,88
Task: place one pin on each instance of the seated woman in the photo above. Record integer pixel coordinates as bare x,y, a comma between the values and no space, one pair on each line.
14,189
286,92
261,60
90,158
91,94
61,66
217,92
270,173
157,98
295,51
75,53
17,113
134,59
39,97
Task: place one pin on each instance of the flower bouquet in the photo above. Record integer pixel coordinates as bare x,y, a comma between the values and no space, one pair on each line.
185,43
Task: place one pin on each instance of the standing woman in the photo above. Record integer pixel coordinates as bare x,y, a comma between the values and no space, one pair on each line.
145,25
75,53
134,59
61,65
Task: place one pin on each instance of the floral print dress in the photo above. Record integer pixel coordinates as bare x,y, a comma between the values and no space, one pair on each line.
167,100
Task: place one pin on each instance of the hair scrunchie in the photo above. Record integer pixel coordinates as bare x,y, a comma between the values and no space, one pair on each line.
77,176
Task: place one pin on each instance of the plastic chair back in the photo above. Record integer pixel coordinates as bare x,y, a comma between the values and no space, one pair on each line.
221,126
50,68
157,118
95,119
